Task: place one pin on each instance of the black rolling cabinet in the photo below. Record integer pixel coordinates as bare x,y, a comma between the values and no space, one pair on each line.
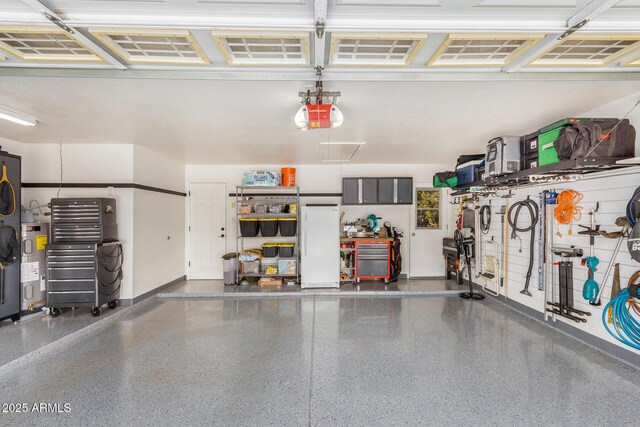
84,262
10,289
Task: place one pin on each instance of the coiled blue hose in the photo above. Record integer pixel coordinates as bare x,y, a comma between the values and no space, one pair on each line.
625,328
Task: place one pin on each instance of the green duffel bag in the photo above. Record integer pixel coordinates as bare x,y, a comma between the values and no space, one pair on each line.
445,179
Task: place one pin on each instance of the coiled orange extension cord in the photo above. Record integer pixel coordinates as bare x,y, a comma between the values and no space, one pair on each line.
567,209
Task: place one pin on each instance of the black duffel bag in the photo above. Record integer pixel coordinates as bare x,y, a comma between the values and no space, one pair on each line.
611,138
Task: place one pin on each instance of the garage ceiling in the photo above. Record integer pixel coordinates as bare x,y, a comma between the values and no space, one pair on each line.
216,81
247,122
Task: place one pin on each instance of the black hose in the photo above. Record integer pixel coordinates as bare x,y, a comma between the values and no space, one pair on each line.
532,207
485,218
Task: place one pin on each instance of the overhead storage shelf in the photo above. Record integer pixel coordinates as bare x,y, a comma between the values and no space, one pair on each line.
528,176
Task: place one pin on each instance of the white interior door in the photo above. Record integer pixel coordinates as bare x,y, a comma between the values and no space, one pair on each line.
207,233
430,223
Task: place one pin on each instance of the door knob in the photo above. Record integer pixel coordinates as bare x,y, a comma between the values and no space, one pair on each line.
413,234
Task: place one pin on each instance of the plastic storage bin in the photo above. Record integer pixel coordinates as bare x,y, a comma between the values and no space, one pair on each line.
262,209
288,226
261,178
269,267
229,271
466,172
268,227
245,209
287,267
250,267
249,227
276,208
286,250
270,250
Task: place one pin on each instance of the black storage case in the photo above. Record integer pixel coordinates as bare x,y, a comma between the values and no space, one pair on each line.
268,227
529,161
249,227
529,144
288,226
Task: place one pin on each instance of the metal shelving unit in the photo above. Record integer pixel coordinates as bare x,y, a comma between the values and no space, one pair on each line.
258,195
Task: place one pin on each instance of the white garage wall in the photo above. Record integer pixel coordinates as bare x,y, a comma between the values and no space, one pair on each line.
159,221
150,224
322,179
612,190
84,163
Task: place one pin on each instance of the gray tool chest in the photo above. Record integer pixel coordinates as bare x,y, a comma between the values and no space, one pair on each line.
84,262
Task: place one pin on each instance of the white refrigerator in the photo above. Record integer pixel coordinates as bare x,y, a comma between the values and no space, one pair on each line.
320,235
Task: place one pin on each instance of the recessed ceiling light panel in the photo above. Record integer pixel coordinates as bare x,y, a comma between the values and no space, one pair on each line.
152,46
374,49
50,44
478,50
263,47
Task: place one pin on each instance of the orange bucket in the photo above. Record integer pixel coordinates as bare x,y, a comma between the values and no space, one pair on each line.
288,177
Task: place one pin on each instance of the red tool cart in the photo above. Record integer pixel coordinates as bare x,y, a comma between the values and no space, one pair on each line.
373,260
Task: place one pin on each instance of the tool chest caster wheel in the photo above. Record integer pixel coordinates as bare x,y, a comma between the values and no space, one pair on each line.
15,317
113,304
96,311
357,280
54,312
386,281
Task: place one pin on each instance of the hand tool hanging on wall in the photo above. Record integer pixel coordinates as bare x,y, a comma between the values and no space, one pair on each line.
485,218
464,248
564,306
625,314
620,235
615,291
7,194
590,288
513,216
542,238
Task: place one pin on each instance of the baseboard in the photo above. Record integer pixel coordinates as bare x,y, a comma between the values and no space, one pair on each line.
161,288
613,350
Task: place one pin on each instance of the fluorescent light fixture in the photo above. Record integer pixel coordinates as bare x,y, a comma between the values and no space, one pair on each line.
18,118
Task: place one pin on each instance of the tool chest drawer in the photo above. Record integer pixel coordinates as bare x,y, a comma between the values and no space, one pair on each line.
61,285
373,249
71,273
87,212
68,298
77,233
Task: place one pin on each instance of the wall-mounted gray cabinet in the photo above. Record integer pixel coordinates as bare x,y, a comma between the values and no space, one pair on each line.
377,191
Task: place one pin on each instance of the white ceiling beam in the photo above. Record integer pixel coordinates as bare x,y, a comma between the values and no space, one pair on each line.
320,43
75,33
360,75
589,12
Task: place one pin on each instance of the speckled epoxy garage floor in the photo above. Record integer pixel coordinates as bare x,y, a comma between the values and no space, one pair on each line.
325,361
